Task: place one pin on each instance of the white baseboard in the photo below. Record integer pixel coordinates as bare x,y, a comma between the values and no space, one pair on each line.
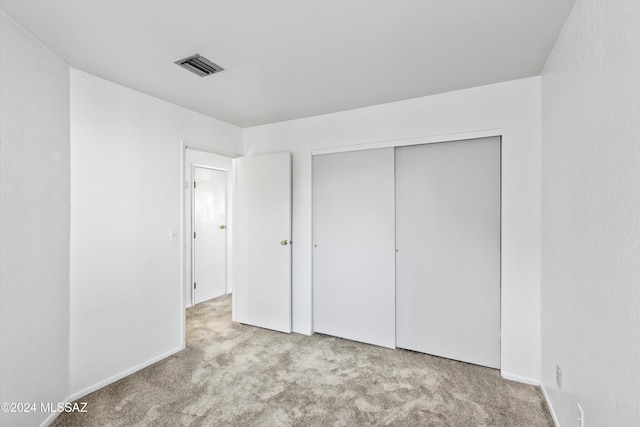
110,380
52,416
546,399
122,374
518,378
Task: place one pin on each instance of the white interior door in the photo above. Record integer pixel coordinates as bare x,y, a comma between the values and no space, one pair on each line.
354,246
209,233
448,243
263,241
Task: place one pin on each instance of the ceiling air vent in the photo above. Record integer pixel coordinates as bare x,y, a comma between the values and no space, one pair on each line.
199,65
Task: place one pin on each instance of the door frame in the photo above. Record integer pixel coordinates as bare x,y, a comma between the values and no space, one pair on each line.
192,264
497,132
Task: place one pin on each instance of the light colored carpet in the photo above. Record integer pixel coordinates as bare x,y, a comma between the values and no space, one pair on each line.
238,375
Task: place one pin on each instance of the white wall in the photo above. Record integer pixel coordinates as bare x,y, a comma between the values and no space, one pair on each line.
591,216
127,302
34,224
512,109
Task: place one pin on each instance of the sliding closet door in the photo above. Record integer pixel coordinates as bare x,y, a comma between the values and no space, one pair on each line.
448,249
354,241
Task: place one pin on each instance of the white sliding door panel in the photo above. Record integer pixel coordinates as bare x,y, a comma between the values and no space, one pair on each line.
263,241
448,242
354,241
209,233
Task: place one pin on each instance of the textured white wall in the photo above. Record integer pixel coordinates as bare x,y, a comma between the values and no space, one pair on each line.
513,108
591,216
126,184
34,224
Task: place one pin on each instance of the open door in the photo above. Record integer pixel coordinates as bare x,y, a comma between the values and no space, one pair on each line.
263,241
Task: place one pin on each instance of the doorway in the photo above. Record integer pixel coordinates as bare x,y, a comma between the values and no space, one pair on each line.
208,222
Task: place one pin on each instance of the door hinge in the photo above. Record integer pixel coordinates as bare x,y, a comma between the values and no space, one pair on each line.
194,184
194,285
194,234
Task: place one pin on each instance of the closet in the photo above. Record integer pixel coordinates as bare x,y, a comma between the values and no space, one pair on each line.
407,248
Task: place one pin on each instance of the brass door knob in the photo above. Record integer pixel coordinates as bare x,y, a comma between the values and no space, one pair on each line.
222,227
284,242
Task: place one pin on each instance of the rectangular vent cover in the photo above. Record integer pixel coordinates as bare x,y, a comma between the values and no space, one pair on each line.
199,65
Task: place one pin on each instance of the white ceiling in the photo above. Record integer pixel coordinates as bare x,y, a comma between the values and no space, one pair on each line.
291,59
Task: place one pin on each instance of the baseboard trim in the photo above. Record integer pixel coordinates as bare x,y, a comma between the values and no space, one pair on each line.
51,418
519,378
554,417
125,373
112,379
